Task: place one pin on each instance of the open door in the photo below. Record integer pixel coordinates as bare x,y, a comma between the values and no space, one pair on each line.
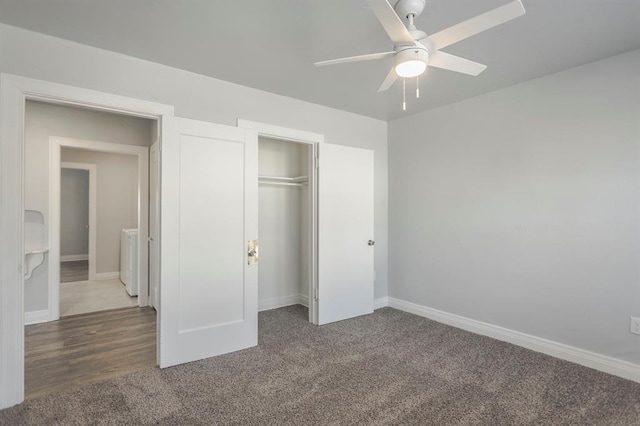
209,204
345,233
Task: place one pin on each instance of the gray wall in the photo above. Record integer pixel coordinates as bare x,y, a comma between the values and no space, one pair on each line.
199,97
116,199
43,121
521,207
74,212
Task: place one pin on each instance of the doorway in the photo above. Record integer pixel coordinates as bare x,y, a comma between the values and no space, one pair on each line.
97,188
285,223
76,191
111,159
90,249
15,91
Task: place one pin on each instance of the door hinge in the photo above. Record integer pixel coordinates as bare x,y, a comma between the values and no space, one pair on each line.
317,160
315,294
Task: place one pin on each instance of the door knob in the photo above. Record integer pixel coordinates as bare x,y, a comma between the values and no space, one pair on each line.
252,252
371,242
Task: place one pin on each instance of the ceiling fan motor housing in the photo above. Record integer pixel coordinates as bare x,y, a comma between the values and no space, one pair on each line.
413,53
404,8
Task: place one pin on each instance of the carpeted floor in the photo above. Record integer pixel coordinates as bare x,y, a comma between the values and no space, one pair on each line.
387,368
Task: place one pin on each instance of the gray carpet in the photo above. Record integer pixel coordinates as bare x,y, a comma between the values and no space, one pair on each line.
387,368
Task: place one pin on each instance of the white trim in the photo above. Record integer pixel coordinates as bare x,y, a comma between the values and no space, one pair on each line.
54,193
11,244
14,91
303,300
36,317
74,257
381,302
76,96
281,302
278,302
281,133
100,276
55,150
583,357
154,232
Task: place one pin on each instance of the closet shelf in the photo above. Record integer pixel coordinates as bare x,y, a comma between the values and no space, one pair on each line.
298,181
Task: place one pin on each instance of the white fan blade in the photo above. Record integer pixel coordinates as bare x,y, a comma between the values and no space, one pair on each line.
369,57
389,80
455,63
477,25
392,24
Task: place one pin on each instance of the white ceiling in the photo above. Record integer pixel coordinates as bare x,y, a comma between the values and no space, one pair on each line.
272,44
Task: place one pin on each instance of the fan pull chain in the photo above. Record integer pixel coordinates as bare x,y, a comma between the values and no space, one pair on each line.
404,94
418,87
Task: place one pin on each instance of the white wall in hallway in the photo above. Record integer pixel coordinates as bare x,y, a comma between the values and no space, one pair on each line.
116,201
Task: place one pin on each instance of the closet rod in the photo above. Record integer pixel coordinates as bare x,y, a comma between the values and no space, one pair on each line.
299,185
297,179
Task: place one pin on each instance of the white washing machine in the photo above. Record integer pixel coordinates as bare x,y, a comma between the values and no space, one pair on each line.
129,260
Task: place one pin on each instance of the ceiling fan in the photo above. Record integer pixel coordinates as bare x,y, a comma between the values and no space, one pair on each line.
413,50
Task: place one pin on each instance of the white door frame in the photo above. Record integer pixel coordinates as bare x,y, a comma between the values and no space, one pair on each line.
154,224
313,139
14,91
55,150
92,171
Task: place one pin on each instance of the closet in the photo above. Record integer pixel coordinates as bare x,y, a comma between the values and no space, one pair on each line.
284,223
234,242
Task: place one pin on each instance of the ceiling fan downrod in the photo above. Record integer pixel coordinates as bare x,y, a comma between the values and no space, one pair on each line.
410,25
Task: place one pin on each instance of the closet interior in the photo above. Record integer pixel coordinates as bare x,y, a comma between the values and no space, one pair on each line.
284,225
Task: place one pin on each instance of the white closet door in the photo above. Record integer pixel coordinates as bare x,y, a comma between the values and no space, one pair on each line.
209,199
345,227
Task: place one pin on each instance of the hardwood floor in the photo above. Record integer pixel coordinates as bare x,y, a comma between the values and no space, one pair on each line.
88,348
77,270
92,296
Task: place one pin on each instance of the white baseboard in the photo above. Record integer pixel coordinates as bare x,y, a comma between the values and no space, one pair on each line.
107,276
74,257
303,300
617,367
36,317
381,302
278,302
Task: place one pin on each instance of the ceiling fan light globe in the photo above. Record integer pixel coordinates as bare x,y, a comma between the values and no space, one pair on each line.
411,68
411,62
